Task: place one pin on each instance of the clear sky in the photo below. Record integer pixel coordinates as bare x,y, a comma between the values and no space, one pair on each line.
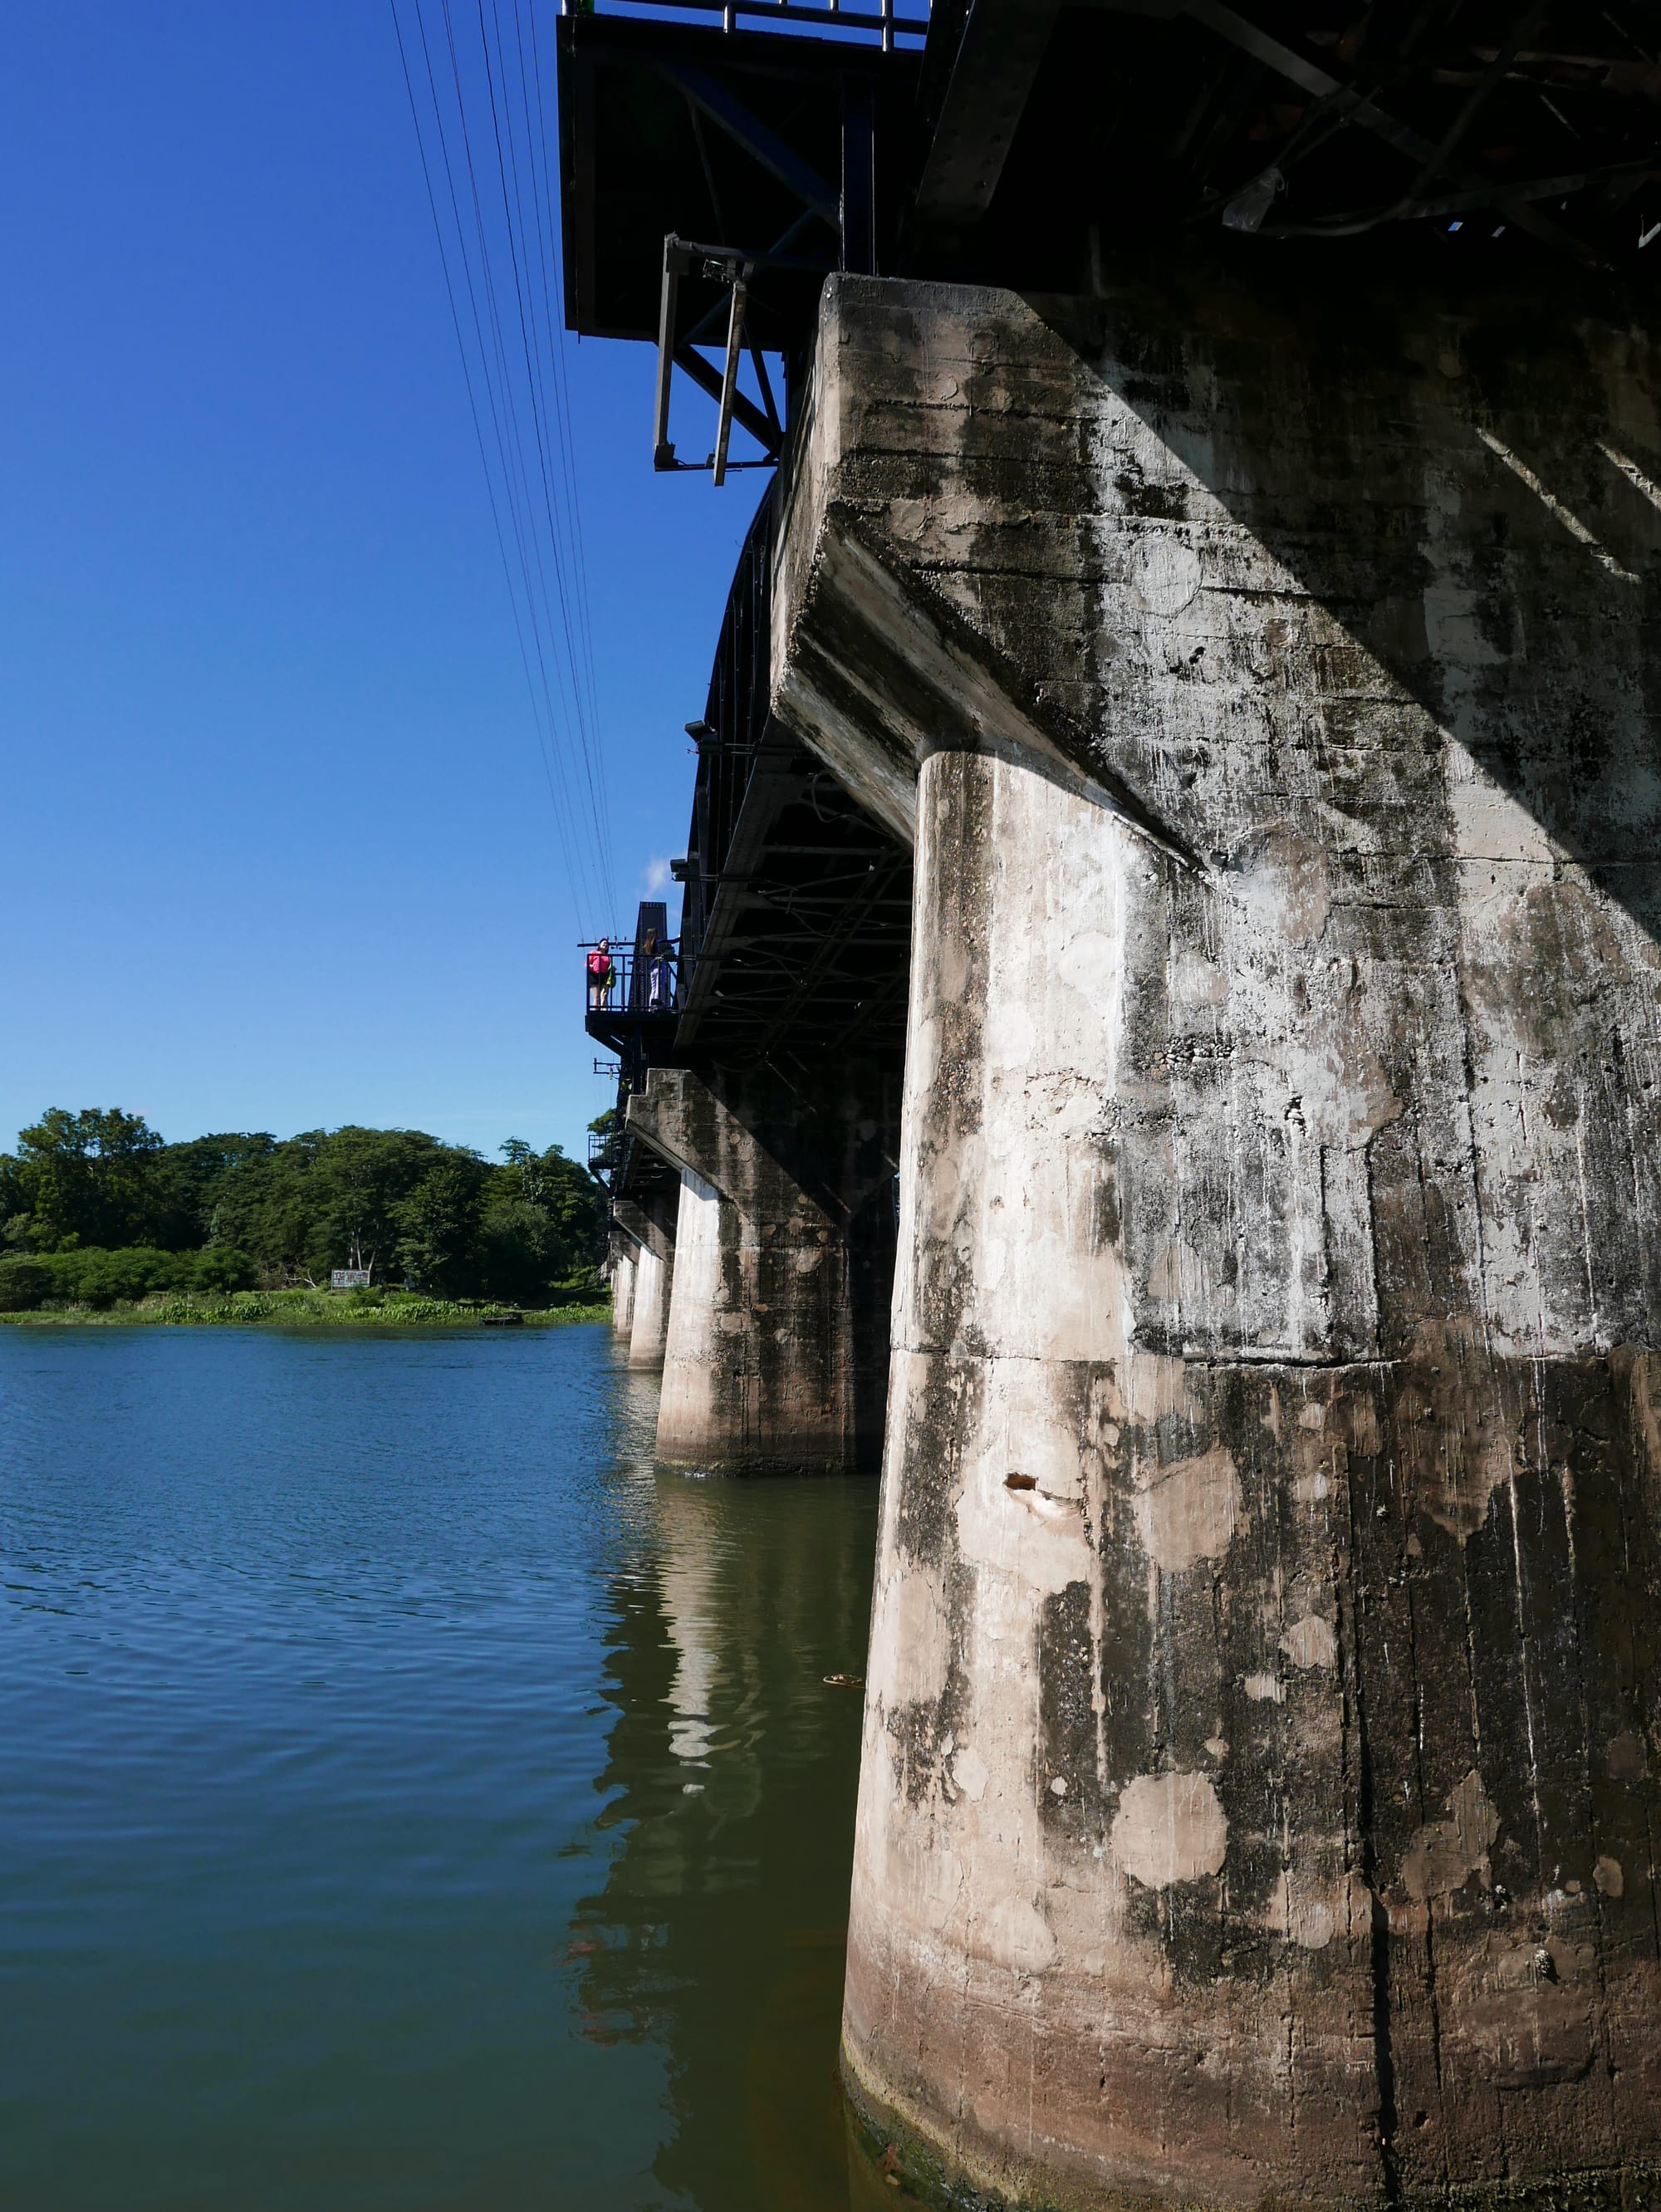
276,843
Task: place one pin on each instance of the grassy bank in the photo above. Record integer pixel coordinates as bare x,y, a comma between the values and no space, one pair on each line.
301,1309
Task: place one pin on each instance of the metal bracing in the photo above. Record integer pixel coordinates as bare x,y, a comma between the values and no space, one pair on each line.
797,906
887,22
1041,138
792,152
763,145
1276,140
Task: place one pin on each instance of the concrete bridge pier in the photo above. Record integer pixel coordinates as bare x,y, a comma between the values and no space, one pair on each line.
1263,1708
654,1272
625,1254
776,1354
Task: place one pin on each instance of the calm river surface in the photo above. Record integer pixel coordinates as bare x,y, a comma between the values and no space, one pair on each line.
409,1797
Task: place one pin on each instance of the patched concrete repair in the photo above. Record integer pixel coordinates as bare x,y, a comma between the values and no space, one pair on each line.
776,1352
1258,1797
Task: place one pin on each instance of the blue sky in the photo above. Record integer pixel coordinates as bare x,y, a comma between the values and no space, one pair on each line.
278,846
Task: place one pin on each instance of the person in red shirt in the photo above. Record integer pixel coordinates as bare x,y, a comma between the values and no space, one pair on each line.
600,973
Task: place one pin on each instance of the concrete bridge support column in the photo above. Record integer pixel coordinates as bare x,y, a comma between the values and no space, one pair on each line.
625,1254
654,1272
777,1348
1263,1708
651,1315
1260,1724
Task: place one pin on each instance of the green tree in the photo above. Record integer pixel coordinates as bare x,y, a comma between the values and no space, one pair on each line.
543,1221
24,1282
14,1205
329,1198
439,1223
88,1178
519,1251
90,1186
188,1177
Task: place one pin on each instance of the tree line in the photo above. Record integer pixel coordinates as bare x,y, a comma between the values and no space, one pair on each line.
97,1205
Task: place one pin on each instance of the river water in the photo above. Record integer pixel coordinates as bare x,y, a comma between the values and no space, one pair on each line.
410,1796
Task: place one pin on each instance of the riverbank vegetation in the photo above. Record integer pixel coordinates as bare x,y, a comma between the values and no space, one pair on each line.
296,1309
99,1215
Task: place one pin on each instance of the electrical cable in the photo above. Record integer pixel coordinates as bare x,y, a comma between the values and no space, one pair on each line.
519,494
534,273
501,275
561,813
508,175
510,451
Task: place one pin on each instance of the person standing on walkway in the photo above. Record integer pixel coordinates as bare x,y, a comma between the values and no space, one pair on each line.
657,969
600,973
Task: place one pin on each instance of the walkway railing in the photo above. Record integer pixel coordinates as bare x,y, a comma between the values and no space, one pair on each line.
886,23
633,983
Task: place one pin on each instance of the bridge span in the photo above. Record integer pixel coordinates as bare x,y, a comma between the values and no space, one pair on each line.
1165,1044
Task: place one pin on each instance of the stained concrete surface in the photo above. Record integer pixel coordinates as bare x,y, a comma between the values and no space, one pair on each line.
1259,1776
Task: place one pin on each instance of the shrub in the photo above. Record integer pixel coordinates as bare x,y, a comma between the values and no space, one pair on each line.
218,1267
99,1278
23,1284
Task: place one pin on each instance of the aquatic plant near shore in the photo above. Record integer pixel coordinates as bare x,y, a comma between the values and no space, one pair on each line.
297,1310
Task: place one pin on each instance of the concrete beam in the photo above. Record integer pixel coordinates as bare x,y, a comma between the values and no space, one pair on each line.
640,1224
775,1359
1262,1728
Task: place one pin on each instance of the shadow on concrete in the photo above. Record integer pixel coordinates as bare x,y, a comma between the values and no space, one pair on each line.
1496,564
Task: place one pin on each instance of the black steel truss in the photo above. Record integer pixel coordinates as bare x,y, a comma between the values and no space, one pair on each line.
797,905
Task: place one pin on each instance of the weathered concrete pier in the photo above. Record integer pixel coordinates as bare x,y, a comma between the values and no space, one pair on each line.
776,1356
1246,665
648,1224
1269,1550
621,1262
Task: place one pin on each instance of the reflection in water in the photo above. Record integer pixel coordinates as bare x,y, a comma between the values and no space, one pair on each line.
719,1934
352,1695
687,1578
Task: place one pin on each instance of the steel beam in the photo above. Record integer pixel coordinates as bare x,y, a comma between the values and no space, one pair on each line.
1352,105
997,63
730,378
744,411
748,130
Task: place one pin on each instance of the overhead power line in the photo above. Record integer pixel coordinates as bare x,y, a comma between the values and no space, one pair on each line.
474,73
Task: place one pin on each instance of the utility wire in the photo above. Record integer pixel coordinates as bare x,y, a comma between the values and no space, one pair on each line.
562,823
520,491
501,277
554,289
525,270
